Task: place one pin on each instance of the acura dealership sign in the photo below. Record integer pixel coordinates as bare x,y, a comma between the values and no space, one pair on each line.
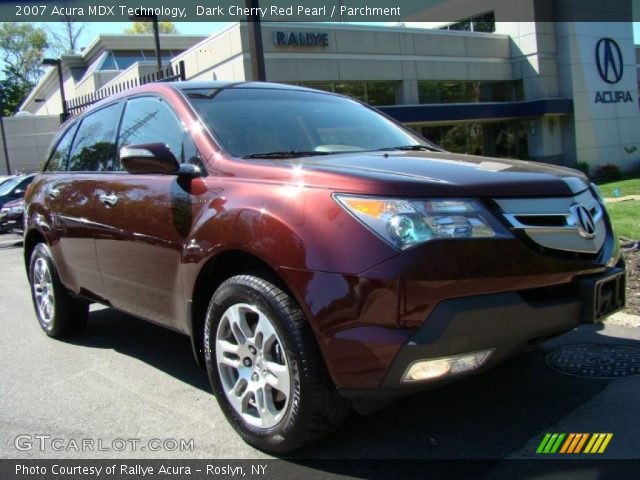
610,67
609,60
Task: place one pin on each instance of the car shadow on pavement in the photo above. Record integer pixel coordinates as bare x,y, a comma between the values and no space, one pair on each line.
487,416
156,346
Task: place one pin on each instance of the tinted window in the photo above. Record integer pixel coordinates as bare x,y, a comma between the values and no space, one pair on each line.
94,145
9,185
60,155
252,121
25,183
151,120
15,183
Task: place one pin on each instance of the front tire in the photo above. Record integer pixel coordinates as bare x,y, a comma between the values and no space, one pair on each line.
265,368
58,313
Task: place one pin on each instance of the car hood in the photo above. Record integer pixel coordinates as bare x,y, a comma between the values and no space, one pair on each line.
445,174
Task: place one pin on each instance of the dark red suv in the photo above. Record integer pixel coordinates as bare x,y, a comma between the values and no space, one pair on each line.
319,255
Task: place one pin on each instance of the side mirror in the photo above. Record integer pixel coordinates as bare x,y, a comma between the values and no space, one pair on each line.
149,158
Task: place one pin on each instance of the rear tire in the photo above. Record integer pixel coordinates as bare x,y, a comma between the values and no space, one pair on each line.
59,314
265,368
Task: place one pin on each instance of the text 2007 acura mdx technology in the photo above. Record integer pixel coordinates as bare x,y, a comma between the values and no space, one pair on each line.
319,255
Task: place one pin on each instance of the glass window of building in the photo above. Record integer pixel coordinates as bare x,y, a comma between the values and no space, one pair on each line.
469,91
123,59
485,22
381,93
507,139
108,62
373,93
352,89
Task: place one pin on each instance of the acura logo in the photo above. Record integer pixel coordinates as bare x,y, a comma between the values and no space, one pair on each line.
584,221
609,60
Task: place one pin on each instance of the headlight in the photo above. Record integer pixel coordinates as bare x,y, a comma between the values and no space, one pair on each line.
19,209
406,222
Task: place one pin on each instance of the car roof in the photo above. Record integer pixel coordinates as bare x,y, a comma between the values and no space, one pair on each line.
186,85
191,85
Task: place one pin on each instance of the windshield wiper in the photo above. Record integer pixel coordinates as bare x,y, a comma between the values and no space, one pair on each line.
287,154
412,148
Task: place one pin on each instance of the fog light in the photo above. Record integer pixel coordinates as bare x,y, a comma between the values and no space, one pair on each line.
440,367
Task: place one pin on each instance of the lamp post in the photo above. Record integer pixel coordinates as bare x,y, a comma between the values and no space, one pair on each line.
156,34
58,64
256,52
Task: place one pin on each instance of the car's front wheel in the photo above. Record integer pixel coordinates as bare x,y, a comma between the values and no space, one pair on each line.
59,314
265,368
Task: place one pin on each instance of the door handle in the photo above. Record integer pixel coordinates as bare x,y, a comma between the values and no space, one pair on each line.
53,192
109,200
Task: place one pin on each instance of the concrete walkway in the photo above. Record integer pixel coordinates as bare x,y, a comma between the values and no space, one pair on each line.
621,199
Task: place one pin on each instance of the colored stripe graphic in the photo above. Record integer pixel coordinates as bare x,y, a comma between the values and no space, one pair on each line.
543,443
567,443
551,443
598,443
556,445
582,442
573,443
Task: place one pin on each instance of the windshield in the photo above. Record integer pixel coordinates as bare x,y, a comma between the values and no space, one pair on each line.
9,185
254,121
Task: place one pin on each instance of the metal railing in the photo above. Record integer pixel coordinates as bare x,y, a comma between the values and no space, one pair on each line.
77,105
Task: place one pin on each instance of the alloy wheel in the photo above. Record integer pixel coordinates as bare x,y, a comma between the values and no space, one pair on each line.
253,366
43,291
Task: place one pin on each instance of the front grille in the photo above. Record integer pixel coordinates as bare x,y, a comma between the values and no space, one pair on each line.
565,224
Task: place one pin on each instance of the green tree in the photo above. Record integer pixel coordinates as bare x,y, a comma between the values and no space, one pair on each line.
14,88
147,27
22,48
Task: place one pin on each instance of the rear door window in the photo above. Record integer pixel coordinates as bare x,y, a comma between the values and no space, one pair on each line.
94,148
60,155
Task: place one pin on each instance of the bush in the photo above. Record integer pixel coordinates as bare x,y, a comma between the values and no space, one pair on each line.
609,173
583,167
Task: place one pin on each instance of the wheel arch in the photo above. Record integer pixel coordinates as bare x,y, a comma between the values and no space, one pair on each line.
32,238
213,273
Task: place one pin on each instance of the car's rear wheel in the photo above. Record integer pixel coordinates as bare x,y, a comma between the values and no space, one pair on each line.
265,368
58,313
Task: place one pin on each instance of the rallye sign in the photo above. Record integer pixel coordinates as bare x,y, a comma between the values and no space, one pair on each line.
301,39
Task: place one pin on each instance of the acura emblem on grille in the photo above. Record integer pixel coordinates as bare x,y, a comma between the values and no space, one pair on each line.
584,221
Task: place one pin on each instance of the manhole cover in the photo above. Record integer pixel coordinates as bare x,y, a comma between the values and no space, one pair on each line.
595,361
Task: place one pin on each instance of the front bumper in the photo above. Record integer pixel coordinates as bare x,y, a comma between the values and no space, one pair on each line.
362,322
504,322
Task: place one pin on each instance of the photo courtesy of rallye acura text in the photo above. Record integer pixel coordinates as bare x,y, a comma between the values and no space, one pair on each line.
320,256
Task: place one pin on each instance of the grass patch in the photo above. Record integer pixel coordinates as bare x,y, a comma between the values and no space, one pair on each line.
627,187
625,217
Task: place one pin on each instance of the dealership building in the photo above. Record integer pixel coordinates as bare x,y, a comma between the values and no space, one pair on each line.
557,92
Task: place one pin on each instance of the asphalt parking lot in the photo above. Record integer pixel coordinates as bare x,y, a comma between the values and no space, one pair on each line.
124,378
